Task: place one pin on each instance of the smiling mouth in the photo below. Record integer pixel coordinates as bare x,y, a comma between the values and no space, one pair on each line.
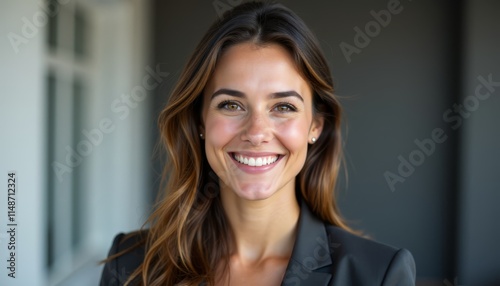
255,161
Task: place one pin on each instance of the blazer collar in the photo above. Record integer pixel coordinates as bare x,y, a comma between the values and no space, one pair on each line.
311,252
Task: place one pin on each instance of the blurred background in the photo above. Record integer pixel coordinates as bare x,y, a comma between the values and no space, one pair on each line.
82,83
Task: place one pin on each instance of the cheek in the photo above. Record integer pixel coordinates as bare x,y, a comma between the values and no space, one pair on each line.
293,135
219,131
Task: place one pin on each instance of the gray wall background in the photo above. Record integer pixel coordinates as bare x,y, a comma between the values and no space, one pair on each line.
399,88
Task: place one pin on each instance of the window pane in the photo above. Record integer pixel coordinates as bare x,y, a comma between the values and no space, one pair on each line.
53,9
78,180
51,102
60,168
80,32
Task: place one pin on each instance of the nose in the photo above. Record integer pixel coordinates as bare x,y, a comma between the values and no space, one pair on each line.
257,129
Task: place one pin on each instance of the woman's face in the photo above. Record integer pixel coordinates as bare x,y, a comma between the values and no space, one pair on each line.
257,121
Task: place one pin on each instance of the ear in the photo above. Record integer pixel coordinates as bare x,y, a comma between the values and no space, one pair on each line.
316,128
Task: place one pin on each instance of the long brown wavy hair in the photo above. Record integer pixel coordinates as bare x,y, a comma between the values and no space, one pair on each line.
189,234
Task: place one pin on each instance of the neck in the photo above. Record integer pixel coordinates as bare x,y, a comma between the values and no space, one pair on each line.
262,229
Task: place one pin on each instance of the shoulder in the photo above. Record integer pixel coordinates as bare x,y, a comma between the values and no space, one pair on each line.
356,259
328,255
125,256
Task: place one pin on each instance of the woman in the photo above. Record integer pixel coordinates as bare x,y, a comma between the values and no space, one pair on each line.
252,131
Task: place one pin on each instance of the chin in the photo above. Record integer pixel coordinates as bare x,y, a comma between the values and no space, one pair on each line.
254,192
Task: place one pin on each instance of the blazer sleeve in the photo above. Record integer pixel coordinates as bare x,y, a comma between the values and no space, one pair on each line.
401,270
110,273
117,271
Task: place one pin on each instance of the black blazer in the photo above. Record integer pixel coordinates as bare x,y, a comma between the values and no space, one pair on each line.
323,255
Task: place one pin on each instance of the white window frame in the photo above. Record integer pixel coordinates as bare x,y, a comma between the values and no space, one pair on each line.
114,176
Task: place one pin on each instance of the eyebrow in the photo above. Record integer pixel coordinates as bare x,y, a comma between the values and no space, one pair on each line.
236,93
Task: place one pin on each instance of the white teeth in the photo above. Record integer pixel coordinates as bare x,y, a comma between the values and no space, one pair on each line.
256,162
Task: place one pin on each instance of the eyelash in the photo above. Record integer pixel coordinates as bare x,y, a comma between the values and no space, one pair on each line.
223,105
287,104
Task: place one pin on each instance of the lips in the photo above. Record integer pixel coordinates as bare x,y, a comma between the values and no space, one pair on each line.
255,161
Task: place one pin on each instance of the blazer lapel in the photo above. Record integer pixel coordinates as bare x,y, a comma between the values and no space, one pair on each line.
311,258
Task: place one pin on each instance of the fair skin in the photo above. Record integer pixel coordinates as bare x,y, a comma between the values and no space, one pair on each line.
257,123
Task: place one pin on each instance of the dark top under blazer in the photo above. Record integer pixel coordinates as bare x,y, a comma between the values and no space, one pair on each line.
323,255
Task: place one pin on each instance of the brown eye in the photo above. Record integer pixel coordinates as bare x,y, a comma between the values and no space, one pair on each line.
285,108
232,106
229,105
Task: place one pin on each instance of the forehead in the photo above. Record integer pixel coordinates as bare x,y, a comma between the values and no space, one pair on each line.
257,69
